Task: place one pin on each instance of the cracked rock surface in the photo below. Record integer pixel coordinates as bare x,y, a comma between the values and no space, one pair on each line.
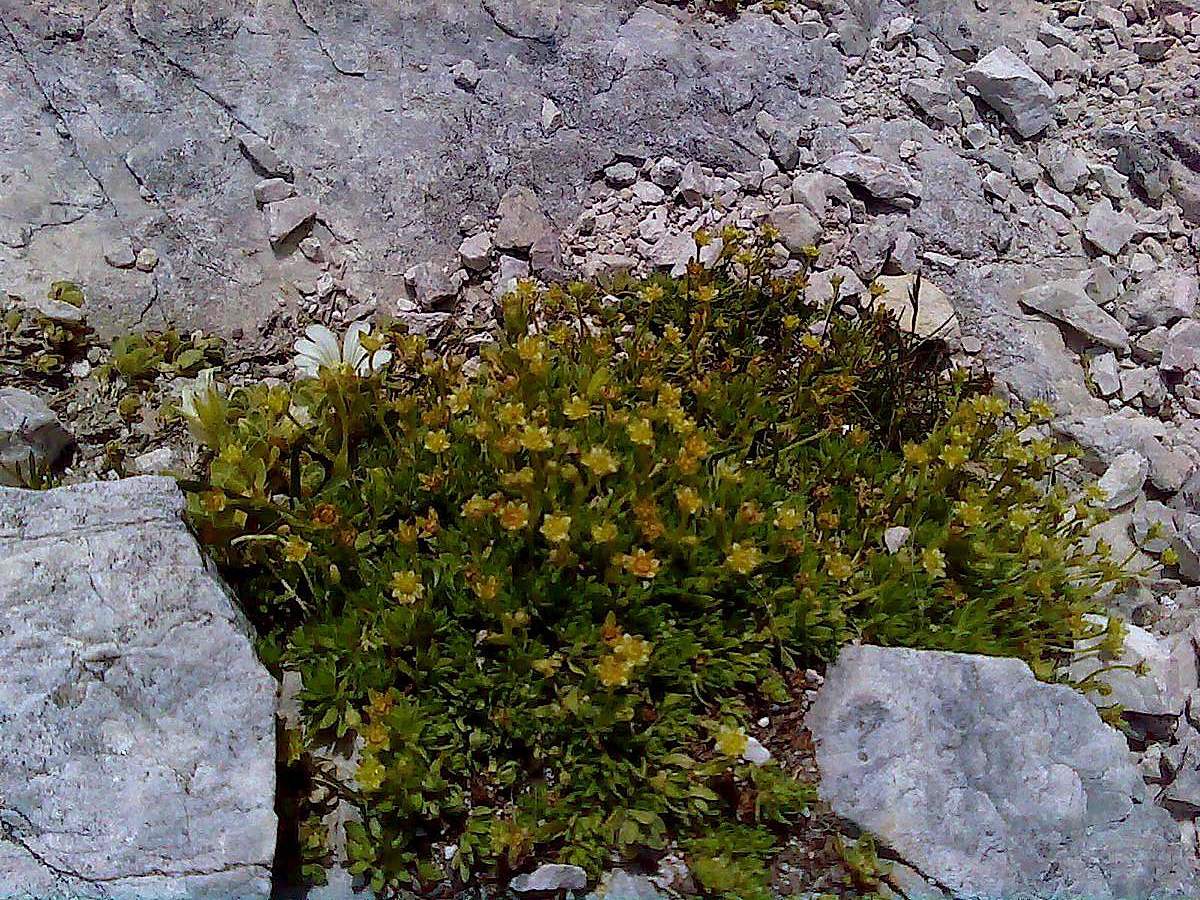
988,782
137,732
131,122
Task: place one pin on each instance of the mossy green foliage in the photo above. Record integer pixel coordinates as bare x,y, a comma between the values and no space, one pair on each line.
544,591
37,347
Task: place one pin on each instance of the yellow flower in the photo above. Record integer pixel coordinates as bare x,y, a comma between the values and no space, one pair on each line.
613,671
548,666
604,532
1020,518
696,446
512,414
953,455
437,442
556,528
641,432
370,773
687,463
599,461
788,518
530,348
749,513
514,516
523,477
729,471
732,742
743,559
670,396
576,408
934,562
810,342
689,501
486,588
407,533
679,421
480,430
970,514
407,587
508,443
377,736
477,507
460,401
633,649
1041,410
672,334
641,563
536,438
916,454
839,566
651,293
296,549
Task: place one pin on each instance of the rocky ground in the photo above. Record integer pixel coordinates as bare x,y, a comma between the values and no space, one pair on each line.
248,169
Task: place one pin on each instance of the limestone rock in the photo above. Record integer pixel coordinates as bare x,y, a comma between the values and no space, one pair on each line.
1122,481
989,782
138,758
798,227
29,431
1169,665
881,179
551,877
265,158
286,217
1182,350
1161,298
1014,90
933,315
522,220
1108,229
1068,303
476,251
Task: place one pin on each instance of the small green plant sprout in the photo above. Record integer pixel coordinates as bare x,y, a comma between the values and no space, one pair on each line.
541,591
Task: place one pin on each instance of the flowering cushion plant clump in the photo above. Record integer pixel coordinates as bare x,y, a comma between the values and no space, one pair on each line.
540,594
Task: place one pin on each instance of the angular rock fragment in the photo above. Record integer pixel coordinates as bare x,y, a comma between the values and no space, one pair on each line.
879,178
1122,481
798,227
551,877
1107,229
286,217
138,751
264,157
989,782
1161,298
1068,303
1014,90
31,436
522,220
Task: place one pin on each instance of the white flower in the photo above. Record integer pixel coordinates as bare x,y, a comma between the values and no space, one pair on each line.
199,388
320,350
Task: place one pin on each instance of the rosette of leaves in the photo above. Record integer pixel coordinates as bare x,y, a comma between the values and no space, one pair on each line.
38,343
539,594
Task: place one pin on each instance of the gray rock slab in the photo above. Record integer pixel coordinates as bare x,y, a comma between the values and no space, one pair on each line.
136,130
137,727
1068,303
988,781
1014,90
31,436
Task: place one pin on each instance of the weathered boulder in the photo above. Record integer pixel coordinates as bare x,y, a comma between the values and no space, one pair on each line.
1014,90
988,781
137,729
1067,302
31,436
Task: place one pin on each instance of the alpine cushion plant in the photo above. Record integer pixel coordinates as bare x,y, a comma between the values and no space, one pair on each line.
538,593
